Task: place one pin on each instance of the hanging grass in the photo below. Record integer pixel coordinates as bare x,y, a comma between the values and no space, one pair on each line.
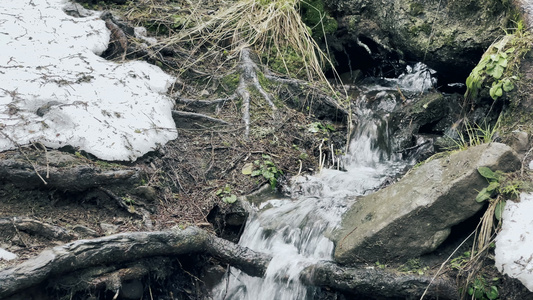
273,28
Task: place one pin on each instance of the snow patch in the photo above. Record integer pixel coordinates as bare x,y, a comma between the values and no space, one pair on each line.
6,255
514,243
56,90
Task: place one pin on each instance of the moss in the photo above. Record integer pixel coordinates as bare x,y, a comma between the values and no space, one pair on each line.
416,9
315,16
428,101
420,27
230,82
285,61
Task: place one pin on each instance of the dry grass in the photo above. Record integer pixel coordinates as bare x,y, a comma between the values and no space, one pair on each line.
262,25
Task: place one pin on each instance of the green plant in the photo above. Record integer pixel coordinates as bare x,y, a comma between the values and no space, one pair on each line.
497,69
226,195
499,187
267,169
475,134
481,290
380,265
413,265
319,127
462,260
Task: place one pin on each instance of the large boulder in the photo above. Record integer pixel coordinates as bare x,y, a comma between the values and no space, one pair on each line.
449,36
414,216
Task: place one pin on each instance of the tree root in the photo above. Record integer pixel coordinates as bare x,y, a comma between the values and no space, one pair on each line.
69,174
375,283
35,227
124,247
248,79
96,261
192,120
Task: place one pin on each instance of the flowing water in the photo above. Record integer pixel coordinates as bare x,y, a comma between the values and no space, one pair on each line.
294,230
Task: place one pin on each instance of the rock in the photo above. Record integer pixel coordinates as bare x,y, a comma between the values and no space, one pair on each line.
147,192
109,228
449,36
414,215
519,141
84,230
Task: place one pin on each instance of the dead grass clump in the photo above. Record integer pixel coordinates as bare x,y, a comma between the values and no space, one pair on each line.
267,26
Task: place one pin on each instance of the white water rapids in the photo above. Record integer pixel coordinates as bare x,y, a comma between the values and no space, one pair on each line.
294,230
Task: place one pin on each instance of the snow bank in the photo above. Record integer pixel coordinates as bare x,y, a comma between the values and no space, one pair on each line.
6,255
514,243
56,90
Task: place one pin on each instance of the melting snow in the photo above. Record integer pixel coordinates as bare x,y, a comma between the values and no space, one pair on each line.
56,90
6,255
514,243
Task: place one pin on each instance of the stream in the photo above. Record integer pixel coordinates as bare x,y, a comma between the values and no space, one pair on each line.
295,230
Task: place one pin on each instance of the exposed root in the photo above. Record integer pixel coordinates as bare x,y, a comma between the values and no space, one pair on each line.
35,227
123,247
190,120
249,80
67,173
139,211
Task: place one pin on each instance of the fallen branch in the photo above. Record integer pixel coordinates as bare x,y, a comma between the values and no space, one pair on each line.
188,120
35,227
376,283
68,178
123,247
89,257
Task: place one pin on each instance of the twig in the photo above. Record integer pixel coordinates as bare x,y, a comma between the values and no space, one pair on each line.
25,156
444,263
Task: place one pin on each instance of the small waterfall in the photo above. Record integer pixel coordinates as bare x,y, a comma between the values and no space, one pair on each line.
294,230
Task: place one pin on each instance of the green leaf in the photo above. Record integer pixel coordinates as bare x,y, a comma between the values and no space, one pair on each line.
219,191
469,81
265,156
492,92
502,62
483,195
487,173
493,293
508,85
498,210
497,72
493,186
257,173
230,199
268,175
247,169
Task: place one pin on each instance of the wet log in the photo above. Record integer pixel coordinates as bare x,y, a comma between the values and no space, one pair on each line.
75,175
124,247
377,283
36,227
86,255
